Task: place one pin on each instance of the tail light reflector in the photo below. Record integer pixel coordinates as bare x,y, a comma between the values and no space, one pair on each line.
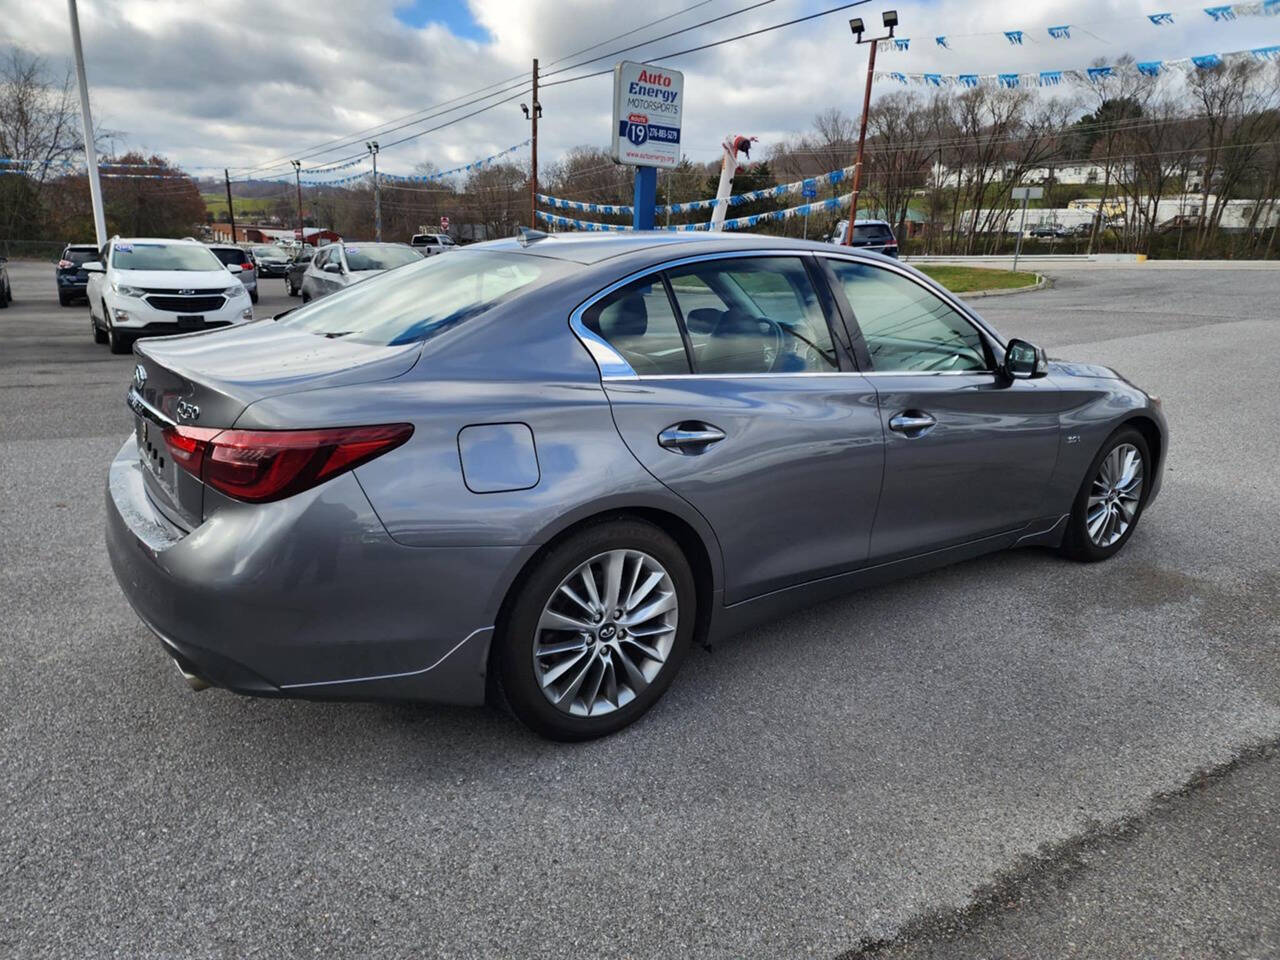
262,465
246,266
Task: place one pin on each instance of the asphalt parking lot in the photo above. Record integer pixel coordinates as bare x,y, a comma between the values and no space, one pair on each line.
1068,755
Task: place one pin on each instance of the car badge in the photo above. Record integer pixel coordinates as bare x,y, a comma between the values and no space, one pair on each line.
139,376
187,411
185,293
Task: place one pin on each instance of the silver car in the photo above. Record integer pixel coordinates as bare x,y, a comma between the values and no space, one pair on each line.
537,470
231,255
338,265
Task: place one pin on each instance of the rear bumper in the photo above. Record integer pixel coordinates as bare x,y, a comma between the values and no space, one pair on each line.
306,597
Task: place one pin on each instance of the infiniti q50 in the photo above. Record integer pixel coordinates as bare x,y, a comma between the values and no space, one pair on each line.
537,470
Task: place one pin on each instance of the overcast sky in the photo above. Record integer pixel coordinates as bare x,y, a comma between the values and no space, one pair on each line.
244,83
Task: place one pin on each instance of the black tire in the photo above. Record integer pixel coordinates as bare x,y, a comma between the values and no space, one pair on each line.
1077,544
99,335
63,299
253,296
117,342
290,288
6,296
305,297
512,658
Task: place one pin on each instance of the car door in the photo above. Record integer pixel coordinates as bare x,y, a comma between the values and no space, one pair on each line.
968,452
729,389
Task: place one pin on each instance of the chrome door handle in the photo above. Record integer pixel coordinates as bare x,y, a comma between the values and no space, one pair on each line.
689,437
912,422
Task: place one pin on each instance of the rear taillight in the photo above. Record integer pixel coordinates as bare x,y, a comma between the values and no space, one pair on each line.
65,264
261,465
246,266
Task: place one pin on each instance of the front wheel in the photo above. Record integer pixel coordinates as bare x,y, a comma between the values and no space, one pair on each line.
597,631
117,342
1110,501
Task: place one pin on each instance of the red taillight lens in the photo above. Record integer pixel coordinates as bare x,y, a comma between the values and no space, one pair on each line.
261,465
246,266
187,446
65,264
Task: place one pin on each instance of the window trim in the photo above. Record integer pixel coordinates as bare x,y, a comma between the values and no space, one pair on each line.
993,340
613,366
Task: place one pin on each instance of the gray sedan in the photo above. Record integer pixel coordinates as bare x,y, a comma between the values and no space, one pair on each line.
539,469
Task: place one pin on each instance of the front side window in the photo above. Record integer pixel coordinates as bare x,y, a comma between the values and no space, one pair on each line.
753,315
908,328
162,256
424,299
637,320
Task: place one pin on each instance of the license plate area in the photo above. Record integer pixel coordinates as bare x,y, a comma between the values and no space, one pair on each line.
190,322
154,454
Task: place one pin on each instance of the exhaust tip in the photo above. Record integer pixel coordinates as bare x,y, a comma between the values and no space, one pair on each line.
195,682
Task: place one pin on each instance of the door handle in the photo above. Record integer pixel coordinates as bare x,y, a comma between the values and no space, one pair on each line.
913,423
689,437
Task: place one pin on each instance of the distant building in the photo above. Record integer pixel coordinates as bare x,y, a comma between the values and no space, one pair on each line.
254,233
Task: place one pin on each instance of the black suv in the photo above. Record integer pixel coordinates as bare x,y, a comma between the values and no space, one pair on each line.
874,235
71,279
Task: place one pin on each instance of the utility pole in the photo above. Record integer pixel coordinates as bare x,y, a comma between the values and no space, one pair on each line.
90,151
297,179
532,116
890,18
372,147
231,210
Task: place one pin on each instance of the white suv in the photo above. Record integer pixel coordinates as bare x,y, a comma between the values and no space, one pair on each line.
144,286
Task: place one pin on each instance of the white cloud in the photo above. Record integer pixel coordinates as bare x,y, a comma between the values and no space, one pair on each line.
241,84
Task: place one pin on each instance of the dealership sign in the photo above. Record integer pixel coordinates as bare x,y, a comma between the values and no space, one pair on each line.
647,104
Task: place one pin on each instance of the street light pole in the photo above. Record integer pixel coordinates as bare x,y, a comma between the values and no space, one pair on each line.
532,115
90,151
297,179
372,147
890,18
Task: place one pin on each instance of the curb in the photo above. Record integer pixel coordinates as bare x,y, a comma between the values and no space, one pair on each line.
1041,283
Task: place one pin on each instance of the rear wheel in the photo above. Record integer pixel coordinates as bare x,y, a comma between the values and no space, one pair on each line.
1110,501
597,631
117,341
6,296
63,299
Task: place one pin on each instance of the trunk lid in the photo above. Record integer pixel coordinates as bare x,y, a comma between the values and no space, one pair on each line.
208,379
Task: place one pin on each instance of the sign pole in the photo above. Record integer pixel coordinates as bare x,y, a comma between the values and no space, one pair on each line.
86,120
1024,194
646,198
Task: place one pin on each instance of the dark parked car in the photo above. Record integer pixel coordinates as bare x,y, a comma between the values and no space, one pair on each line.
1050,231
299,259
271,260
874,235
6,292
69,274
540,468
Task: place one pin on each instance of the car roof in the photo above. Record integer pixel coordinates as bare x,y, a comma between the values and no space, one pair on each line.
588,248
81,246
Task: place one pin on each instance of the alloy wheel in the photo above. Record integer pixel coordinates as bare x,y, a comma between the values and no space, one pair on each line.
1115,495
606,633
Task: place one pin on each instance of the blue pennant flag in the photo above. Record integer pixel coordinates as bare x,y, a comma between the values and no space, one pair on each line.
941,41
1060,33
1150,68
1097,73
1050,78
967,79
1014,37
900,77
1160,19
901,43
1207,62
1266,53
1220,13
1008,80
933,79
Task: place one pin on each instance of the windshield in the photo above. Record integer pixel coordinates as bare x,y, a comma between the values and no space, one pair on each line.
379,256
163,256
426,298
871,231
78,256
269,253
229,254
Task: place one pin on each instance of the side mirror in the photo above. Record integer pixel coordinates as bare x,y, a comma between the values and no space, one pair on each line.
234,268
1023,360
93,266
332,268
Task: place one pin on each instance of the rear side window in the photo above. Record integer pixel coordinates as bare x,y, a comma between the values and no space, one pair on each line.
874,232
753,315
228,255
638,321
425,298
